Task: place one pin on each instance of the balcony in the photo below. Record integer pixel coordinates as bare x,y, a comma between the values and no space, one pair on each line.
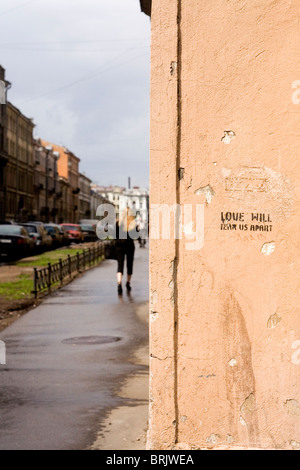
38,187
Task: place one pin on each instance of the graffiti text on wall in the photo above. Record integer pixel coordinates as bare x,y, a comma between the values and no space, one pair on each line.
240,221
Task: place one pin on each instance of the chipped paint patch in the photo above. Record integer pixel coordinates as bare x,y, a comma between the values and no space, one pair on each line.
172,287
153,316
207,191
274,320
249,405
213,439
173,68
268,248
232,362
153,297
295,445
292,407
228,137
242,421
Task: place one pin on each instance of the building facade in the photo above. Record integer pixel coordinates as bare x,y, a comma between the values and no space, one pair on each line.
68,172
20,167
84,197
16,162
111,194
64,208
136,199
96,201
225,318
3,146
39,180
46,184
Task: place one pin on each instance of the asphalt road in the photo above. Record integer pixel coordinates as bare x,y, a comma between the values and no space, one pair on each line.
67,359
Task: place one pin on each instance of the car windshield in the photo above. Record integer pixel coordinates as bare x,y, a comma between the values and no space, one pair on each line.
10,230
50,229
72,227
87,227
31,228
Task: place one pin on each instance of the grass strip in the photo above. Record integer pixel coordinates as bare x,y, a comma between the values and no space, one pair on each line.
49,257
17,290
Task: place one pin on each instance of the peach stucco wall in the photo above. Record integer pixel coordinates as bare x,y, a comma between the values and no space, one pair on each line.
225,328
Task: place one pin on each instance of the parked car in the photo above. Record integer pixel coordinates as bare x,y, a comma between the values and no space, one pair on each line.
74,232
15,242
35,222
88,222
55,233
8,222
89,233
37,232
65,236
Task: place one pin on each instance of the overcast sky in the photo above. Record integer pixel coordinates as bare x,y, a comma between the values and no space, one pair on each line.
81,70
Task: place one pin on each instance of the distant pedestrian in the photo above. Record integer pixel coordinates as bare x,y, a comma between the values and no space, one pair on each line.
143,233
125,248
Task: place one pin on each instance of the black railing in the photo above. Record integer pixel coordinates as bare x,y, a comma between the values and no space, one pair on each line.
44,278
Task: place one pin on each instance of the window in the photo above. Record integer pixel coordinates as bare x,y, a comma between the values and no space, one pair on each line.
1,176
1,138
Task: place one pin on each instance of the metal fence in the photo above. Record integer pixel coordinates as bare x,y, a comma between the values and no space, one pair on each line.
56,273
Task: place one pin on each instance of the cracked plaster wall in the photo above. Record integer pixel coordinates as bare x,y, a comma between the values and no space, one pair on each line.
225,330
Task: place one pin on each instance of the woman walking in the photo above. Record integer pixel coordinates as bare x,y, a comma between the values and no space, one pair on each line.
125,248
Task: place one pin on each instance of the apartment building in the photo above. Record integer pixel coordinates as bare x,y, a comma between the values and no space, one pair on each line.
46,184
136,198
19,169
3,146
68,172
16,161
84,197
111,194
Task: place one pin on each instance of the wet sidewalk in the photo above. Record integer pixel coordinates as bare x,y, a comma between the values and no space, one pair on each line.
77,367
